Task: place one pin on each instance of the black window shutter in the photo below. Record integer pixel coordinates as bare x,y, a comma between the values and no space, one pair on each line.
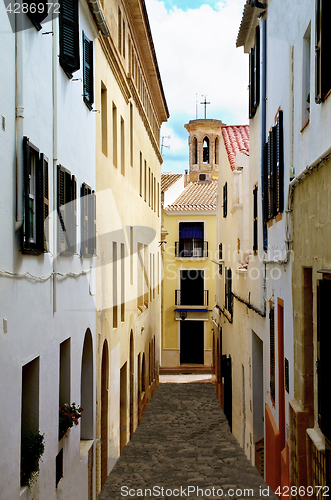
272,352
26,225
37,17
322,51
85,217
255,226
72,214
251,110
265,182
279,164
225,199
92,224
271,173
323,355
230,299
42,204
88,71
69,36
64,211
257,68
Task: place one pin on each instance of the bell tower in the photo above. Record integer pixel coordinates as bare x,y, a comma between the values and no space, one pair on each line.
204,144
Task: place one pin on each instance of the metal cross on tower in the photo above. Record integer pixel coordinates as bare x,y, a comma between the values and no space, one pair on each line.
205,104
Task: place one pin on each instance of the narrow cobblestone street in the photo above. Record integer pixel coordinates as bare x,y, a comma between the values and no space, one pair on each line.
184,441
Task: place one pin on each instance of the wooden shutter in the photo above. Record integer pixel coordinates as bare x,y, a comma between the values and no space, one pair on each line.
72,216
256,93
279,181
322,51
323,355
226,291
69,36
272,352
88,71
85,215
255,226
271,172
230,291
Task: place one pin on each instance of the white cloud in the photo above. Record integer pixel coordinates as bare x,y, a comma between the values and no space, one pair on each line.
197,54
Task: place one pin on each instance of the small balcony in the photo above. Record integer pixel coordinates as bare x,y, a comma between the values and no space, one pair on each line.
194,298
191,248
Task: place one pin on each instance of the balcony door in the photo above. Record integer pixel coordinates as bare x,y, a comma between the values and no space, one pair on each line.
192,287
192,342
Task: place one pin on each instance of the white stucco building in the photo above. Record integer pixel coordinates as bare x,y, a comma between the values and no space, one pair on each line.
47,281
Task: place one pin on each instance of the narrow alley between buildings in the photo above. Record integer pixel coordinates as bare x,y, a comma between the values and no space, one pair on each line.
184,448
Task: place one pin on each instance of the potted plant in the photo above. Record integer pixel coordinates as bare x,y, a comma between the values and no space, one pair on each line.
68,417
32,447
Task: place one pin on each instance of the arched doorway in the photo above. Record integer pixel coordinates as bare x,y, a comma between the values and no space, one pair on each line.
131,384
86,388
104,412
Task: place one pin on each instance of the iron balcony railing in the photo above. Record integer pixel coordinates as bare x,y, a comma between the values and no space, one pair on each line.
194,298
191,248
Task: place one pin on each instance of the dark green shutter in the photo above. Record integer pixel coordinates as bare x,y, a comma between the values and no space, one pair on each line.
72,215
272,352
85,217
265,193
251,84
26,224
256,94
225,199
69,36
255,226
64,207
38,17
88,71
279,195
271,172
42,204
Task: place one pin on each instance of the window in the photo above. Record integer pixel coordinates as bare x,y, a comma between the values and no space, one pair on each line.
36,199
273,171
69,36
122,283
88,72
254,75
191,240
122,147
88,217
323,47
104,121
255,226
272,351
119,30
114,135
205,150
38,17
59,467
217,145
225,199
141,175
67,211
131,135
323,355
306,77
228,290
220,257
114,284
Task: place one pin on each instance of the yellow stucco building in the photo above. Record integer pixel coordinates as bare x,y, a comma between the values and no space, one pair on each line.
189,274
131,104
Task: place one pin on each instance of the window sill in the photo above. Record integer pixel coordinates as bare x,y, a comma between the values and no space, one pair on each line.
85,446
317,438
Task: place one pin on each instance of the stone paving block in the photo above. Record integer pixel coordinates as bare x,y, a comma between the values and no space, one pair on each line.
183,441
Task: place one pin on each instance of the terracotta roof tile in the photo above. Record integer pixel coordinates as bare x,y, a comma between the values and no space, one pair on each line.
167,180
236,139
196,196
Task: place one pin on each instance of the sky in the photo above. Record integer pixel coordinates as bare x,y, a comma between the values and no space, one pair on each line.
195,43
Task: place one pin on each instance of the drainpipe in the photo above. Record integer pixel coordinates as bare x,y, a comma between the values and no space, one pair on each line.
19,129
55,45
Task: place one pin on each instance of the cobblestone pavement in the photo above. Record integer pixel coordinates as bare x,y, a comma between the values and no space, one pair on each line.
184,443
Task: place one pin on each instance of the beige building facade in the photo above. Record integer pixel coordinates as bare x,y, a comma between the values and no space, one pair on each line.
130,98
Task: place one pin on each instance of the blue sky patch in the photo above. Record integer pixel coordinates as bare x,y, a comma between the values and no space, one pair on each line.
190,4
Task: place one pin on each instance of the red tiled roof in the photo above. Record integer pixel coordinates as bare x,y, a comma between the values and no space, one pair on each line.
196,196
236,139
168,180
